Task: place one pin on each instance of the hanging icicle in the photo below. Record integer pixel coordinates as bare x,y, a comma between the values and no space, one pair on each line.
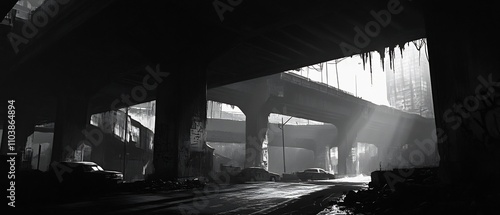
402,48
391,58
382,58
426,53
371,71
363,58
419,44
367,57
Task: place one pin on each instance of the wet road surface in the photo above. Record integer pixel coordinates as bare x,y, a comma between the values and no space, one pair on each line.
250,198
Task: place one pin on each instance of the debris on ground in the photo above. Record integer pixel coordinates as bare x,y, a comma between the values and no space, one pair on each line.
421,193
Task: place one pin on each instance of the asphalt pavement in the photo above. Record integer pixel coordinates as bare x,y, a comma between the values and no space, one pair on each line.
249,198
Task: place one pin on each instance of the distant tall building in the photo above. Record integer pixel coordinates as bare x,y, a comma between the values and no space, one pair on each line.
409,83
214,109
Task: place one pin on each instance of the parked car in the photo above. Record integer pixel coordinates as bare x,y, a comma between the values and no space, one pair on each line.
88,173
256,174
314,174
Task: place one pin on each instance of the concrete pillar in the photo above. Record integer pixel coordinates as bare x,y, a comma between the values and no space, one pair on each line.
346,137
344,151
71,120
321,156
257,111
382,158
255,133
464,86
180,106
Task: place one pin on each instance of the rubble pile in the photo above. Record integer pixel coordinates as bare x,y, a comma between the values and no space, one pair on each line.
420,193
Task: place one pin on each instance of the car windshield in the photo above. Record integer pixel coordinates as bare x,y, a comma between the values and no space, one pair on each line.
92,168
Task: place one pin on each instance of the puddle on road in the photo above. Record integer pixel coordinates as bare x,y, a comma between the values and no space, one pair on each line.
356,179
285,191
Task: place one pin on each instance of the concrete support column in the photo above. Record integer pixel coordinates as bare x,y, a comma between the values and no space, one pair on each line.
257,111
464,87
181,109
71,120
344,151
322,156
255,133
382,161
346,137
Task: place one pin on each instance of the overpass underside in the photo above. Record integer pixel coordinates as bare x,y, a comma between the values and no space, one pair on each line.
95,56
354,119
116,54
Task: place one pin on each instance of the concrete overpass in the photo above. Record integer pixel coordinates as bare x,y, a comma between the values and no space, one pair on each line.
316,138
354,119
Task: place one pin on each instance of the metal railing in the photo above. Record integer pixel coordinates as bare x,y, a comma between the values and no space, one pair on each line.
306,82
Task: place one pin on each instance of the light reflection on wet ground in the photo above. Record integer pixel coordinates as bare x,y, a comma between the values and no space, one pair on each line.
251,198
266,197
286,191
262,198
356,179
